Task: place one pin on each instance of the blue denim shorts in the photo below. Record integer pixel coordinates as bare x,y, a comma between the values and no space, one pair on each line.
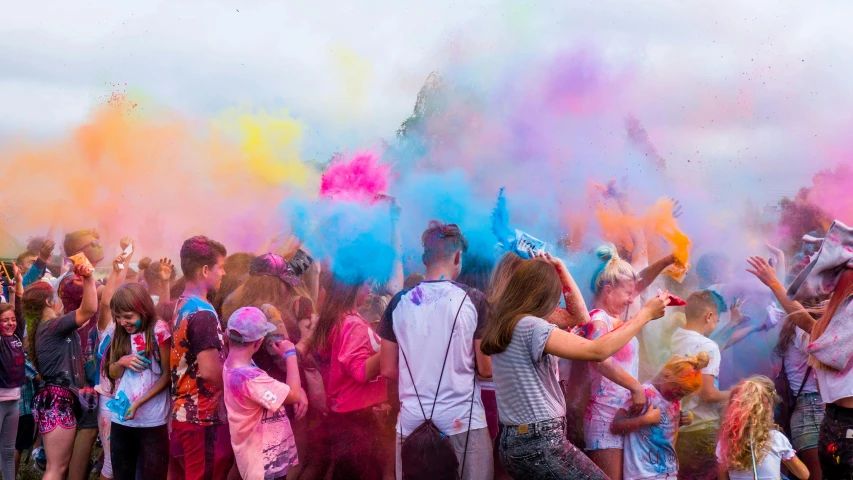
805,421
540,450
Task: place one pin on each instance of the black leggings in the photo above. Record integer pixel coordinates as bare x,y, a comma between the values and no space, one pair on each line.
146,447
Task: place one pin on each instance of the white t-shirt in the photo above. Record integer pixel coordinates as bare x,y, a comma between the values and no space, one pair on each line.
420,320
135,385
686,343
650,452
835,385
770,467
796,363
602,390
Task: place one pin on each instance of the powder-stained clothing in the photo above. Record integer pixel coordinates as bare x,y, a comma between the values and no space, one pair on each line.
687,343
602,390
527,386
650,451
260,430
135,385
349,389
420,321
59,353
196,329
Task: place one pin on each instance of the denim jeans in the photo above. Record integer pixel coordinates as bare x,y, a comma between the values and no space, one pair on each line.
806,420
540,450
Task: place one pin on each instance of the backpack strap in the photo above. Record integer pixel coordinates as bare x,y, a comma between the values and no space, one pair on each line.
470,416
417,395
805,379
447,351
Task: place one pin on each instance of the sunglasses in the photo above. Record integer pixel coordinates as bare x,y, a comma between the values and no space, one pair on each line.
94,244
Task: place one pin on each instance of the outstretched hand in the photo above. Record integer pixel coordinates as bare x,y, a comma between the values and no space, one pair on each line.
656,306
46,250
762,270
164,273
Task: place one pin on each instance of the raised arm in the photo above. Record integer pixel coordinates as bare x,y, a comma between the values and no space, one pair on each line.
163,280
395,282
575,304
38,268
650,273
767,275
89,305
15,300
574,347
116,278
286,350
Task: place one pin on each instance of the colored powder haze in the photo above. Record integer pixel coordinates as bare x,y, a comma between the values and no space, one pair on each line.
543,101
245,123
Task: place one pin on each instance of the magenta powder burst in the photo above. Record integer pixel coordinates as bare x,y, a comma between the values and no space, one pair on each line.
358,178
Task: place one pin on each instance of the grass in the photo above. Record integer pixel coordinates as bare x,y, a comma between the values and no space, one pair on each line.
29,471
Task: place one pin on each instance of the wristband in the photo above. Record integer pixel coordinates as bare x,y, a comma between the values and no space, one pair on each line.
289,353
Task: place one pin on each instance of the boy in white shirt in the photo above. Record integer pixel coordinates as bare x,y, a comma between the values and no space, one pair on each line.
697,442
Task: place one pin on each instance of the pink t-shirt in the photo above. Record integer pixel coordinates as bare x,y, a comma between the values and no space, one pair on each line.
348,389
602,390
260,430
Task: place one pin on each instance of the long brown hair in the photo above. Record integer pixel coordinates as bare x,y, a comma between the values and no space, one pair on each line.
261,289
503,271
534,290
340,299
843,289
131,298
36,297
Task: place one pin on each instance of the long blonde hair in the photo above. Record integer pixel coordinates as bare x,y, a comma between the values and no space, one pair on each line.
747,423
684,372
534,289
612,270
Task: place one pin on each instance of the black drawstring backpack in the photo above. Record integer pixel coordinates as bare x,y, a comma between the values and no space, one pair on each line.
427,454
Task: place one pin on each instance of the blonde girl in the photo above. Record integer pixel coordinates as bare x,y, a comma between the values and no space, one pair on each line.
650,436
615,284
750,446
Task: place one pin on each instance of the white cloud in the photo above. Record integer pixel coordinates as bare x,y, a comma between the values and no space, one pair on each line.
786,59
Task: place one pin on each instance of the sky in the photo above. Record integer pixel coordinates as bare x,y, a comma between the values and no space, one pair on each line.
749,91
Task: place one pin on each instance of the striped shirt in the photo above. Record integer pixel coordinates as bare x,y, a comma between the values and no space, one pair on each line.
527,385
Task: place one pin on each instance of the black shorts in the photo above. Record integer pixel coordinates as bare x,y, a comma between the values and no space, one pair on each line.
26,433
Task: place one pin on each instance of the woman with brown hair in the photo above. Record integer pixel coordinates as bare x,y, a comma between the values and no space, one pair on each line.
56,351
347,345
524,350
137,366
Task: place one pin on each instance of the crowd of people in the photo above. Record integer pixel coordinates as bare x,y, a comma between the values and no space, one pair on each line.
271,366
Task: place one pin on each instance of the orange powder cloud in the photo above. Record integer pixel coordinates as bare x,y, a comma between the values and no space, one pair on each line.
657,223
158,177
